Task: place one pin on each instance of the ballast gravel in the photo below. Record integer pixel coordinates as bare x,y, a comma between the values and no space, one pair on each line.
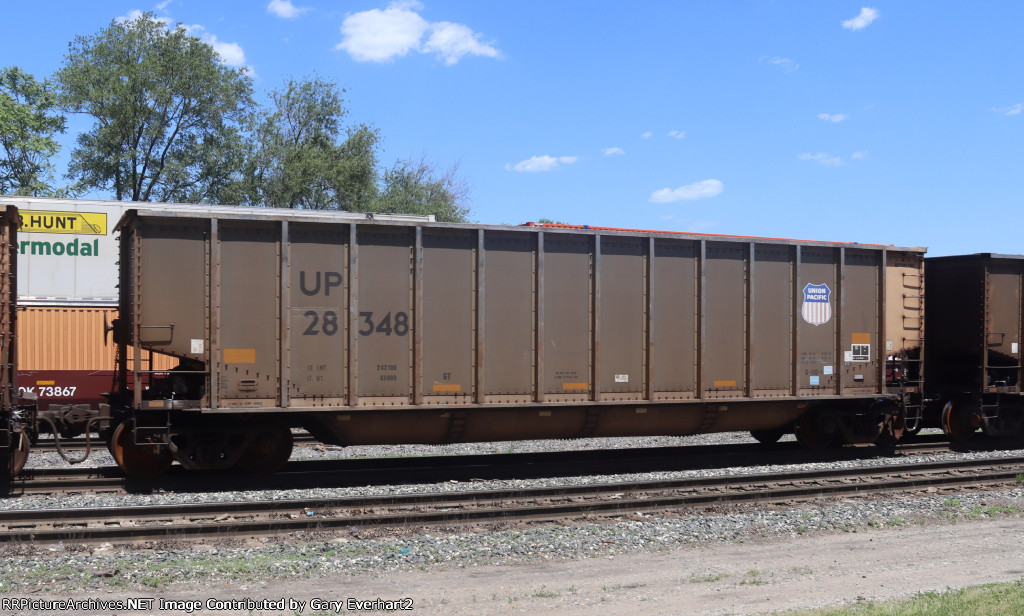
60,567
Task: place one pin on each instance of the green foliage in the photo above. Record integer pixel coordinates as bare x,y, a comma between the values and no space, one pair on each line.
171,123
299,159
28,123
166,113
416,188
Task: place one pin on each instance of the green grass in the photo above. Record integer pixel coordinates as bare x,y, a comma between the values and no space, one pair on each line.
989,600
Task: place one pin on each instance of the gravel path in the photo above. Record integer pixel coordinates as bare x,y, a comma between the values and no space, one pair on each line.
535,568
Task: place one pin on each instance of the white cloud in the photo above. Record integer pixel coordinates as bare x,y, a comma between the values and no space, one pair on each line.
285,9
859,155
833,117
867,15
647,135
697,190
676,134
382,35
453,41
536,164
823,159
231,54
1012,110
613,151
379,36
163,5
784,64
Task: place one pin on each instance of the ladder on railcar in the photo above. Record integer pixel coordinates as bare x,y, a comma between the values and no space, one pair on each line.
911,375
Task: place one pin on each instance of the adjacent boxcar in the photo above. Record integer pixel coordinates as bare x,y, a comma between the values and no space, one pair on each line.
369,331
975,319
14,441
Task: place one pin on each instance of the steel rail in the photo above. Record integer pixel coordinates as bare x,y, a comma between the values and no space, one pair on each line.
289,516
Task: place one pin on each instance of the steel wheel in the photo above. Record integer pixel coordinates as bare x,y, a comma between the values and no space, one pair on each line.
138,460
268,450
811,435
959,420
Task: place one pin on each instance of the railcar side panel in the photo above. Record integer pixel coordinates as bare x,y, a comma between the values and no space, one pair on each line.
674,315
449,310
384,317
317,326
622,319
860,324
771,306
173,259
510,317
1003,325
724,315
246,316
816,328
567,318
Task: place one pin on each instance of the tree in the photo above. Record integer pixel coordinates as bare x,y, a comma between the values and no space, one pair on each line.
416,188
166,113
300,159
28,123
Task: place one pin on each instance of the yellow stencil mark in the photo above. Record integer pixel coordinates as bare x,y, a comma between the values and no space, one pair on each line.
447,387
239,356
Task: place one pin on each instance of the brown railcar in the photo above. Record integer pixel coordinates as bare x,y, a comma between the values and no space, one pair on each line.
975,321
14,441
388,332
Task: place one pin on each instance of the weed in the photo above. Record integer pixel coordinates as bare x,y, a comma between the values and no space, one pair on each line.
544,593
708,577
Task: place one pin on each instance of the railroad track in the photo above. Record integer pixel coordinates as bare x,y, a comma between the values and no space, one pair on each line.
247,518
378,471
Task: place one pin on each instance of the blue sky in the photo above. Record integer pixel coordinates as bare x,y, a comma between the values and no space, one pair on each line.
897,123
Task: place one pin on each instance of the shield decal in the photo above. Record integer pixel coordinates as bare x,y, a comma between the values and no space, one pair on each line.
816,308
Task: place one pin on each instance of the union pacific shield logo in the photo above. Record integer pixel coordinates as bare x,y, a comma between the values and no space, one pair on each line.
816,308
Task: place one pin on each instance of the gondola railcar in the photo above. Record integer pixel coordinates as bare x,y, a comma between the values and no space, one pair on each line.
369,331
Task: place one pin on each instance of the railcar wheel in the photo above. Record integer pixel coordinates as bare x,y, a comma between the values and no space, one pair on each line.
269,449
959,420
812,435
138,460
768,437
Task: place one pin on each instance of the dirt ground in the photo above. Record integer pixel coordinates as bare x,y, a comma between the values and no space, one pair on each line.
728,578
